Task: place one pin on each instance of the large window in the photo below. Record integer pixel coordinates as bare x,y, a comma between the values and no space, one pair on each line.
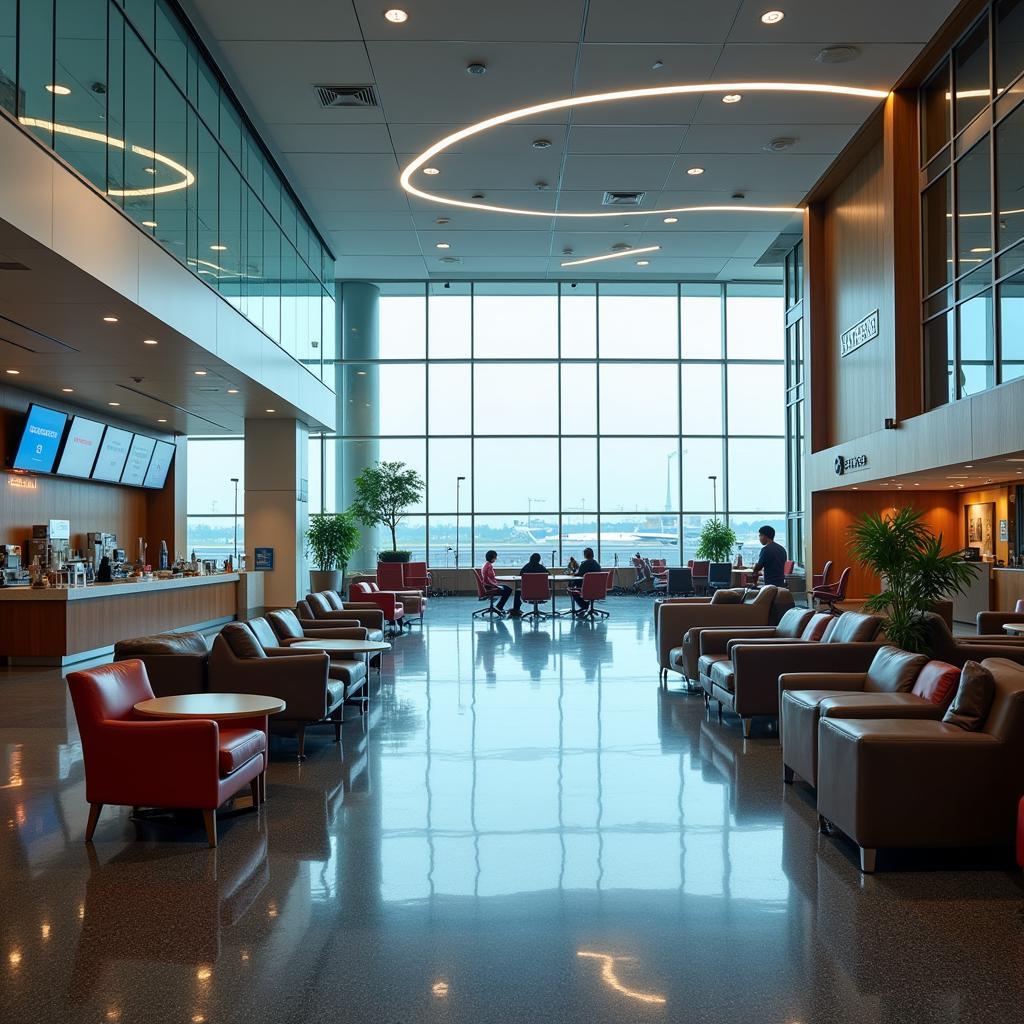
614,416
125,94
972,216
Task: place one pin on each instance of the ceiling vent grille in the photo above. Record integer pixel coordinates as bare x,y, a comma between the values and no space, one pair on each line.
346,95
623,198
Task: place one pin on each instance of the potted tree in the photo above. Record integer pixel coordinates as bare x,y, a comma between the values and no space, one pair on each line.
903,552
383,494
331,539
716,541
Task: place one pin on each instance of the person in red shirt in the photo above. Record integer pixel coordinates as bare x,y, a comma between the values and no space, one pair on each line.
491,581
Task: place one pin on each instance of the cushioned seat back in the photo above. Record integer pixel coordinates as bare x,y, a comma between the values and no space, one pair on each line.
108,693
334,599
241,640
814,628
727,596
792,622
360,591
852,628
1005,719
161,643
303,611
781,603
765,595
940,640
893,671
263,632
285,624
318,605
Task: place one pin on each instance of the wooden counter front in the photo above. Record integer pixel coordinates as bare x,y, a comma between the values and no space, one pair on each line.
60,626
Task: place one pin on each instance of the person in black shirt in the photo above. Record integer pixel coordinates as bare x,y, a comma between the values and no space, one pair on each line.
533,565
772,560
589,564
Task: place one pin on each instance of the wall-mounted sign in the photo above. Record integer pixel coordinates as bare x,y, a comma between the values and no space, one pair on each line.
859,334
1004,533
264,559
846,464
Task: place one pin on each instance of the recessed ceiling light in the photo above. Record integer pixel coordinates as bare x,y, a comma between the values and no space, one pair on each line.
442,245
161,421
431,170
442,220
643,263
113,403
217,247
541,143
232,391
199,373
271,410
969,465
772,17
149,170
68,391
150,341
360,373
14,373
982,248
149,224
476,69
58,90
694,171
732,97
110,319
671,220
627,251
396,16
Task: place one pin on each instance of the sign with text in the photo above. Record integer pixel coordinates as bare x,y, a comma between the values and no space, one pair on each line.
264,559
847,463
859,334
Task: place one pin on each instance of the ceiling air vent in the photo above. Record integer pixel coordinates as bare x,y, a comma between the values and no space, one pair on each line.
623,198
346,95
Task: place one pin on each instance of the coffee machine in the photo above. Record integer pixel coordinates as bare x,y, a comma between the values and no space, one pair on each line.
50,543
11,569
99,546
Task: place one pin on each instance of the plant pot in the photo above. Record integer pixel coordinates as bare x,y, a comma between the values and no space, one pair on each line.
320,579
394,556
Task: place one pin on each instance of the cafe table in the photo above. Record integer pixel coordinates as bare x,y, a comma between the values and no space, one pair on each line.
1014,628
516,577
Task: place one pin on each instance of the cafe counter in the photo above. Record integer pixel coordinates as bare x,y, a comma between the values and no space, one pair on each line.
62,625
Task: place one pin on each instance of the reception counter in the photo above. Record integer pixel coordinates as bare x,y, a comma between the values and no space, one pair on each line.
61,625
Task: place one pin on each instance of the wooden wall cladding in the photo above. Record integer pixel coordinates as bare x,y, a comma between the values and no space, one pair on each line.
833,513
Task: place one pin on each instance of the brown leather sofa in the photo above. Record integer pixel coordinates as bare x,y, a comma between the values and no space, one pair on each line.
326,608
678,623
885,690
176,663
913,784
239,664
289,629
989,623
747,682
956,650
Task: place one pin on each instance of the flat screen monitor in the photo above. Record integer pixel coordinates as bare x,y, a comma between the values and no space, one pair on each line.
156,475
40,439
80,447
112,456
138,460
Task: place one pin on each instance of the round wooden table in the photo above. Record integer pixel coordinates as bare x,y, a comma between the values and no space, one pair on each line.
339,646
219,707
514,578
1014,628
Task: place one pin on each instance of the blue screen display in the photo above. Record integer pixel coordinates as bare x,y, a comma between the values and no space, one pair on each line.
40,440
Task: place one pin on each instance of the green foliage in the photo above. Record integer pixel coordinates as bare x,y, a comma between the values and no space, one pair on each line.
901,550
716,541
383,493
398,555
331,539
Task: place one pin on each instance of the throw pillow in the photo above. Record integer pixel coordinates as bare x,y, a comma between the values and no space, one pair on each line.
973,698
937,682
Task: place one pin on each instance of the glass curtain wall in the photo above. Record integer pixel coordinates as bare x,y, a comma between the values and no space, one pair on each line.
972,214
126,95
614,416
794,280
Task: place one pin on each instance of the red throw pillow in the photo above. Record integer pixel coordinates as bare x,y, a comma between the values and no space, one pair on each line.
937,682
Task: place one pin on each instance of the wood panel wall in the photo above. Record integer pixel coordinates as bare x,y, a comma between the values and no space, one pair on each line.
833,513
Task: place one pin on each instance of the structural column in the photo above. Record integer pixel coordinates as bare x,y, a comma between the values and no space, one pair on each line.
277,504
357,387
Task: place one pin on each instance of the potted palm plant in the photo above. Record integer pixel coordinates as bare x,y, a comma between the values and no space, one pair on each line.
716,541
907,557
331,539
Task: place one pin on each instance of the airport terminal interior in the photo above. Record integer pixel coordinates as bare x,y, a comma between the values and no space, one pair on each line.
508,512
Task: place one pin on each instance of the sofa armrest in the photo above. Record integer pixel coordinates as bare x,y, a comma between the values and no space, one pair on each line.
715,640
763,641
353,632
844,682
992,622
676,618
300,680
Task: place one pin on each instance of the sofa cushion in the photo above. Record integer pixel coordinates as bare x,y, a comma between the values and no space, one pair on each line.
766,595
893,671
707,661
973,698
727,596
333,598
285,624
262,631
237,746
816,626
878,705
335,690
723,675
937,682
853,627
239,637
161,643
348,672
808,698
791,624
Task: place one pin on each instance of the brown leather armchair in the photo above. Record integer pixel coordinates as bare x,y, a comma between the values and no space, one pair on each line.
747,682
240,664
176,663
289,629
892,784
678,623
956,650
318,610
991,623
883,691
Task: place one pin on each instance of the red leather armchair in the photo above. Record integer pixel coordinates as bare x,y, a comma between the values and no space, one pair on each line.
144,762
388,603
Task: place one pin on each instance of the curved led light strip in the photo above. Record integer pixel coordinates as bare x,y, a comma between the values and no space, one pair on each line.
608,97
612,255
187,177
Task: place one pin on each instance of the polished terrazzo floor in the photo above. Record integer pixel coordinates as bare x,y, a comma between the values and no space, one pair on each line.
526,830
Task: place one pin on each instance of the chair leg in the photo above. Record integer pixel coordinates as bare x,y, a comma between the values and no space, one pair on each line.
302,742
787,774
94,816
747,724
210,821
867,860
254,788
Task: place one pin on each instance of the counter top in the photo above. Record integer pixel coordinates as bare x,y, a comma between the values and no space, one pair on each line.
1007,568
118,588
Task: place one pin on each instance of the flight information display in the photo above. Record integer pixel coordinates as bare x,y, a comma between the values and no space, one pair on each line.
159,465
113,453
80,448
138,460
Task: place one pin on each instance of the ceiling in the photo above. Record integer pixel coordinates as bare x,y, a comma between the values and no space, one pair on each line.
345,162
1006,469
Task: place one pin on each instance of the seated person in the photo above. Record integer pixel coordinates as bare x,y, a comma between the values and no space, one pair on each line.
772,560
533,565
589,564
491,583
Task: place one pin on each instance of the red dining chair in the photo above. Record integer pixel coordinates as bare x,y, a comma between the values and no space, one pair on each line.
700,569
417,576
834,593
594,589
390,576
820,579
535,589
144,762
787,567
486,593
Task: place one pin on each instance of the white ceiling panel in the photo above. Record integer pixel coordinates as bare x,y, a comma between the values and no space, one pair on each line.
244,19
780,171
340,199
377,267
489,172
348,170
610,67
616,173
507,139
601,140
366,220
376,243
656,20
333,138
752,138
486,243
